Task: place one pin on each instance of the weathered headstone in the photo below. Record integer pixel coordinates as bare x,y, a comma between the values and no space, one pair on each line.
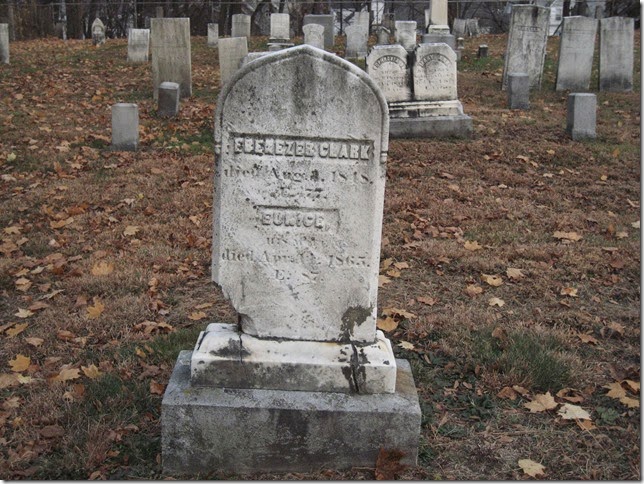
98,32
125,127
518,91
581,118
301,146
280,27
213,35
387,66
460,43
171,53
169,95
383,35
434,73
240,25
526,48
406,34
314,35
576,49
472,27
159,11
138,45
458,29
357,40
438,13
251,56
616,54
326,21
231,52
439,36
4,43
482,51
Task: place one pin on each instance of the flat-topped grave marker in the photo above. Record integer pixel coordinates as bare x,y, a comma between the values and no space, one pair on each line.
314,35
213,35
328,23
138,45
171,53
231,52
616,54
526,48
406,34
125,127
4,43
576,49
357,39
240,25
280,27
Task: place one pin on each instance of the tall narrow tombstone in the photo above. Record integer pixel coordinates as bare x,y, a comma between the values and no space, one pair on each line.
301,141
434,73
387,66
383,35
213,35
171,54
168,104
576,49
458,29
125,127
438,13
98,32
280,27
326,21
518,90
138,45
159,11
581,117
314,35
4,43
240,25
406,34
616,54
231,52
357,40
526,48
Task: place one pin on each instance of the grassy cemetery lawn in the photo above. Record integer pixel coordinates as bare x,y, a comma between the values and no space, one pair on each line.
510,273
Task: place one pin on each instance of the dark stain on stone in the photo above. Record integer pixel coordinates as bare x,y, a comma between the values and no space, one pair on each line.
233,349
352,317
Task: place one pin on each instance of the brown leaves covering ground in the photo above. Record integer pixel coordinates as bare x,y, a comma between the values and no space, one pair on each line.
104,272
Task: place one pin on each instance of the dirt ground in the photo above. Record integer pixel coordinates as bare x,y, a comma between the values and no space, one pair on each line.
510,273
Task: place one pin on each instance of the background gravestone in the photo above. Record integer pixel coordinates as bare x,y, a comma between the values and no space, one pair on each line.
434,73
4,43
387,66
616,54
314,35
98,32
406,34
526,48
138,45
357,39
280,27
213,35
231,52
576,49
240,25
171,53
325,21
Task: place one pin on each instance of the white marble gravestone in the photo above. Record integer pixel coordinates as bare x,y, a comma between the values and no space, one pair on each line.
240,25
406,34
576,49
526,47
171,53
314,35
304,381
326,21
434,73
616,54
98,32
231,52
357,40
387,66
280,27
4,43
213,35
438,14
138,45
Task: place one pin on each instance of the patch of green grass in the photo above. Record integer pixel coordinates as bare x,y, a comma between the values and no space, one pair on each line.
525,357
166,348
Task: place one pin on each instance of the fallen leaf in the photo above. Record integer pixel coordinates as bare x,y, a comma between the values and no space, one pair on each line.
630,402
20,363
393,273
586,338
131,230
520,390
515,274
91,371
8,380
59,224
566,394
16,330
23,284
197,315
35,341
618,328
406,345
507,393
156,388
102,268
204,306
499,333
95,311
586,424
569,291
495,301
398,312
401,265
492,280
633,385
573,412
472,245
571,236
615,390
636,225
67,374
384,265
541,403
388,464
52,431
23,313
473,290
531,468
430,301
382,280
387,324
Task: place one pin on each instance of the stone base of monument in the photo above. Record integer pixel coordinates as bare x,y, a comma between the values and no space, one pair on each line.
425,119
207,430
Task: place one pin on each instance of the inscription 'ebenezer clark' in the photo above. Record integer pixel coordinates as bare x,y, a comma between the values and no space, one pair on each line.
311,148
